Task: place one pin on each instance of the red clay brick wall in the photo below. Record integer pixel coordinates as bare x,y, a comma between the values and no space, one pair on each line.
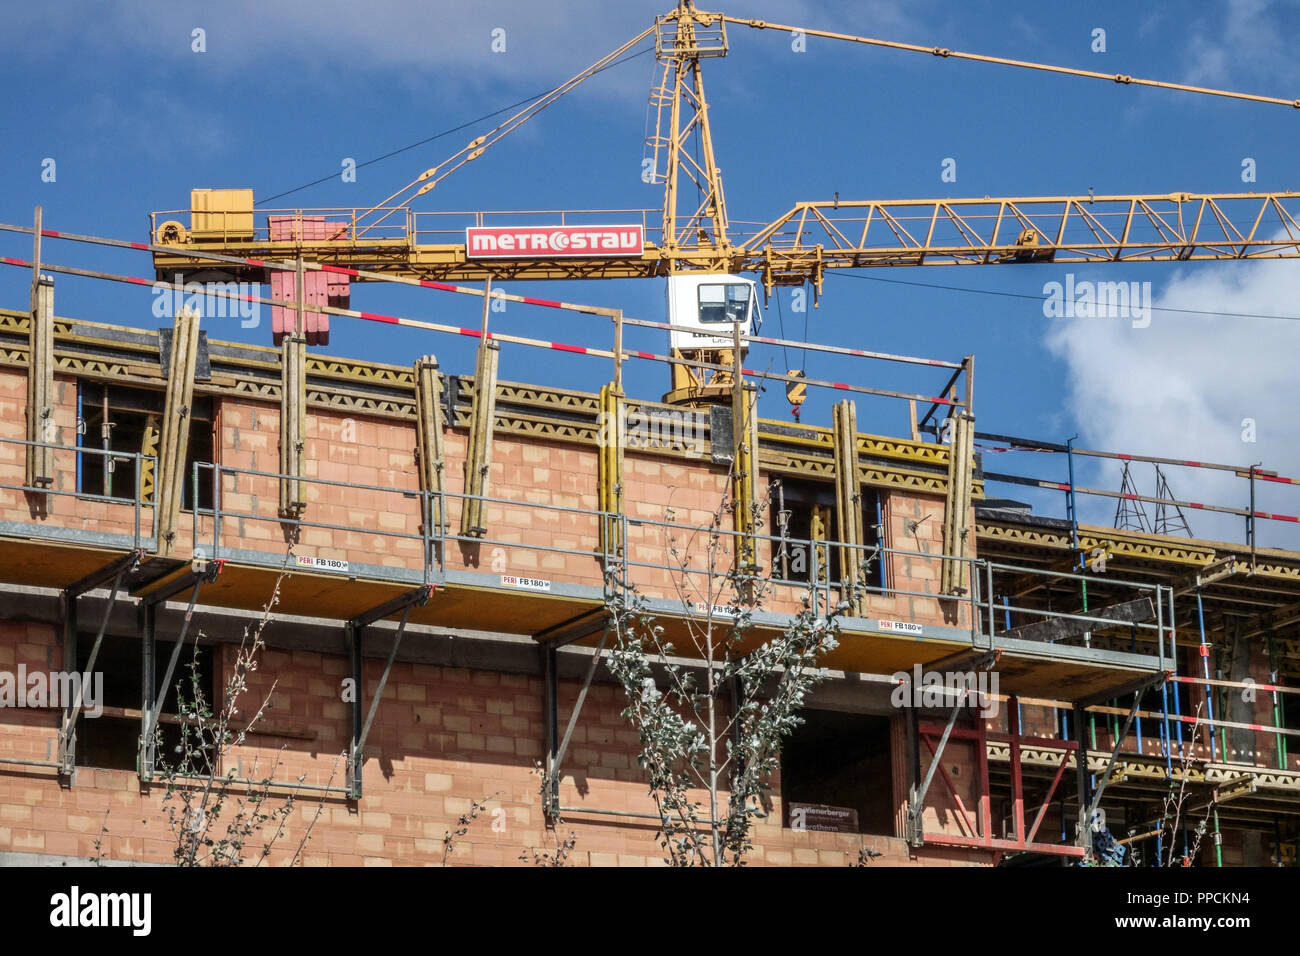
374,459
910,572
442,738
61,510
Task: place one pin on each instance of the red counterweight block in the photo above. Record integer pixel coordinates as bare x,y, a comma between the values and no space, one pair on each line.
338,287
321,288
282,289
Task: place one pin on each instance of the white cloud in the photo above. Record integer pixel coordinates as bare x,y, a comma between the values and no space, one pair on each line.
445,41
1245,40
1182,387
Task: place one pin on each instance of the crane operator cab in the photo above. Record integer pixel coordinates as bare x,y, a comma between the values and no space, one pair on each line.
703,310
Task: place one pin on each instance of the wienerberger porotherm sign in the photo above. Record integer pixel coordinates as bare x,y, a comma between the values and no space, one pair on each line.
545,242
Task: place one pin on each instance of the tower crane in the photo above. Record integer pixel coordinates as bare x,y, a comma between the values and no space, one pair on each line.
691,243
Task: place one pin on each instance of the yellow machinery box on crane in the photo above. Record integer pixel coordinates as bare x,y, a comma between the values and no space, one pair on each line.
221,214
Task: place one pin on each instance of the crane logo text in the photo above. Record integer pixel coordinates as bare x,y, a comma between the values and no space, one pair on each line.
524,242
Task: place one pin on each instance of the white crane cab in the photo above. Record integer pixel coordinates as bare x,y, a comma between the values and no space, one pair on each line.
703,308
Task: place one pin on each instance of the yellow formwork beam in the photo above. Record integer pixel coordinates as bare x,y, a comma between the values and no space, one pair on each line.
40,372
40,386
848,492
610,444
175,439
149,443
958,535
478,460
431,455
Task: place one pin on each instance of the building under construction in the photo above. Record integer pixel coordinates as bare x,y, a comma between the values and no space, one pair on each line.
446,542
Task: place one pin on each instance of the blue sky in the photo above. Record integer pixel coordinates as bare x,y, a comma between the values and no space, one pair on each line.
286,90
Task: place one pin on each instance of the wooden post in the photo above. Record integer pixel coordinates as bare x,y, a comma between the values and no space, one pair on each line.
428,430
40,373
848,494
175,440
957,533
610,442
958,536
478,460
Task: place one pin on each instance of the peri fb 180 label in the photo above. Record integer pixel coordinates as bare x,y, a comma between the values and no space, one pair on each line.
902,627
321,564
719,610
528,584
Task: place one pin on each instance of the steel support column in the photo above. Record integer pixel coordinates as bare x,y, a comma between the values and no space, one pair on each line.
115,572
551,716
355,631
556,761
916,799
152,698
551,641
1083,826
293,408
1086,817
744,473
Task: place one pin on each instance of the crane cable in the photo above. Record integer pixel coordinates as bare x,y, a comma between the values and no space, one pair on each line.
1121,78
446,132
845,274
477,146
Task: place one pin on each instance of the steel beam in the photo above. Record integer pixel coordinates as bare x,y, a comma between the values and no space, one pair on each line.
114,571
1083,826
574,629
744,464
973,659
557,760
355,631
293,408
1128,687
1087,818
152,699
551,716
916,803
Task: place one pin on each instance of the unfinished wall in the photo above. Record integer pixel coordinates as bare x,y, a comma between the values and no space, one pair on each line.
443,737
59,510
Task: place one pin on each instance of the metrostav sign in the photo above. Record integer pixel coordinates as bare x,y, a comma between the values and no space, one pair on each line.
546,242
